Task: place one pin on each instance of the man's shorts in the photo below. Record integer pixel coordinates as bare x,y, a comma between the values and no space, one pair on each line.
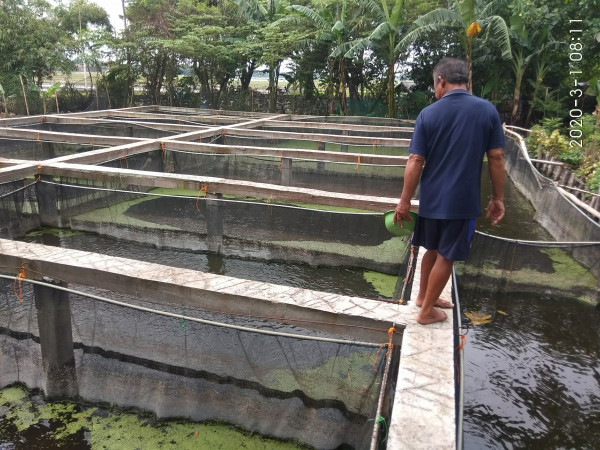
450,237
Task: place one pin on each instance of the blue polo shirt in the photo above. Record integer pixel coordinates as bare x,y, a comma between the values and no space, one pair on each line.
453,134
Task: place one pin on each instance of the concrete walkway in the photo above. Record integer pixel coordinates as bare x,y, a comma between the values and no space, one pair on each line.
423,415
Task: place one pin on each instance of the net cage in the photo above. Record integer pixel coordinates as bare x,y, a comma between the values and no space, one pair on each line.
322,391
186,221
552,269
320,388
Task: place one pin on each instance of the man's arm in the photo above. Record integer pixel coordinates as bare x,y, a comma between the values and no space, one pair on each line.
495,208
412,175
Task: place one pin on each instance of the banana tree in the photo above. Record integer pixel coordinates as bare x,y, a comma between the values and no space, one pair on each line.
472,19
332,28
527,46
3,98
52,91
594,90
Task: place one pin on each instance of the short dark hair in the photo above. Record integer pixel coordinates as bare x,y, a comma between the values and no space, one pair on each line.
453,70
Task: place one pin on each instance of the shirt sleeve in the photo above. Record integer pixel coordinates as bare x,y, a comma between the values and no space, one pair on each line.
496,139
418,142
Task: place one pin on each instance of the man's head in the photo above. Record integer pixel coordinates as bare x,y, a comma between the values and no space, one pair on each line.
448,74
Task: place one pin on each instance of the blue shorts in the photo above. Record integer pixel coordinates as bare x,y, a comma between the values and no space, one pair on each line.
450,237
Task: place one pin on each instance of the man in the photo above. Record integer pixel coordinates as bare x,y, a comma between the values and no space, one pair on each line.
450,139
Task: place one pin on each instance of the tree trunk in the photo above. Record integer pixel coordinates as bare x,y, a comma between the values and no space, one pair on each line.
273,82
343,83
391,92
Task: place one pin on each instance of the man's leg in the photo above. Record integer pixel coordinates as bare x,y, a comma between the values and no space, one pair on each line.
429,259
438,276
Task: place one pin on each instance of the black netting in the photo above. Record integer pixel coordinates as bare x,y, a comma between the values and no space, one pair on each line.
570,270
323,393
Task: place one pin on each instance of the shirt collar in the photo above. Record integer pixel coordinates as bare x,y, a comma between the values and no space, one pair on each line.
456,92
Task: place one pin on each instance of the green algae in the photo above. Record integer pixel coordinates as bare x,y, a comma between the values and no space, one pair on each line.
60,232
115,428
388,252
349,379
117,215
567,275
383,283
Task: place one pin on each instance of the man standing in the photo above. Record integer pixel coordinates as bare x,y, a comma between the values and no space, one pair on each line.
450,139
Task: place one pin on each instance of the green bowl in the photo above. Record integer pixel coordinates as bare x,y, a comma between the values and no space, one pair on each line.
399,229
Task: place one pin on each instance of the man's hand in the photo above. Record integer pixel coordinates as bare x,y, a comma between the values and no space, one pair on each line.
495,211
401,213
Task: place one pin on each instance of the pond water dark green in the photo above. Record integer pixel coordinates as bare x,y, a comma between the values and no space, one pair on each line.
532,375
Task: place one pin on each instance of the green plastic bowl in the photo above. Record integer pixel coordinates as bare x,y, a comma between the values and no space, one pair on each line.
399,229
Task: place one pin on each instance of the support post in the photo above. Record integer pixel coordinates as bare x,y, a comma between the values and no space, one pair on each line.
345,146
56,339
214,223
286,171
47,199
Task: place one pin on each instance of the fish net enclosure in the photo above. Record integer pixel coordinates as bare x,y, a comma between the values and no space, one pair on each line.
216,191
552,269
322,392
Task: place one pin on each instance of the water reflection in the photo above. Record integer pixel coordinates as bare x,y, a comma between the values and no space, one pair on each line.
337,280
532,376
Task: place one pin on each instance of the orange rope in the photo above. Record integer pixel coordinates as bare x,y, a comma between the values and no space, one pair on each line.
205,189
412,256
374,145
162,147
280,161
357,164
39,172
38,137
389,344
18,279
463,341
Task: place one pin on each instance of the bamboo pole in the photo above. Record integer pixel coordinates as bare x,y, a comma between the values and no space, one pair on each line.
24,95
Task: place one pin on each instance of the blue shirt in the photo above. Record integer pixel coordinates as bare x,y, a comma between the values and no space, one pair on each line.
453,134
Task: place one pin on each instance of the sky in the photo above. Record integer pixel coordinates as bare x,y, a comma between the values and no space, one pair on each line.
114,8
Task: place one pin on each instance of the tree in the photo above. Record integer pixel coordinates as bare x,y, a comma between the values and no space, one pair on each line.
332,29
384,40
470,19
150,25
276,42
205,36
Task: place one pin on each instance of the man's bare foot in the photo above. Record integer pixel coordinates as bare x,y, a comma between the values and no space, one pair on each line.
436,315
440,303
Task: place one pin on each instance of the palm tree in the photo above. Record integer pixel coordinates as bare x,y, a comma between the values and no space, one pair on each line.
384,40
472,19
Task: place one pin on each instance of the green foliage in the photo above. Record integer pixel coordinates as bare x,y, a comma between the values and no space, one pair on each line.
550,138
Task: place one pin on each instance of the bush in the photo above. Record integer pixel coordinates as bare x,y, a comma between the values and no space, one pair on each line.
585,160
